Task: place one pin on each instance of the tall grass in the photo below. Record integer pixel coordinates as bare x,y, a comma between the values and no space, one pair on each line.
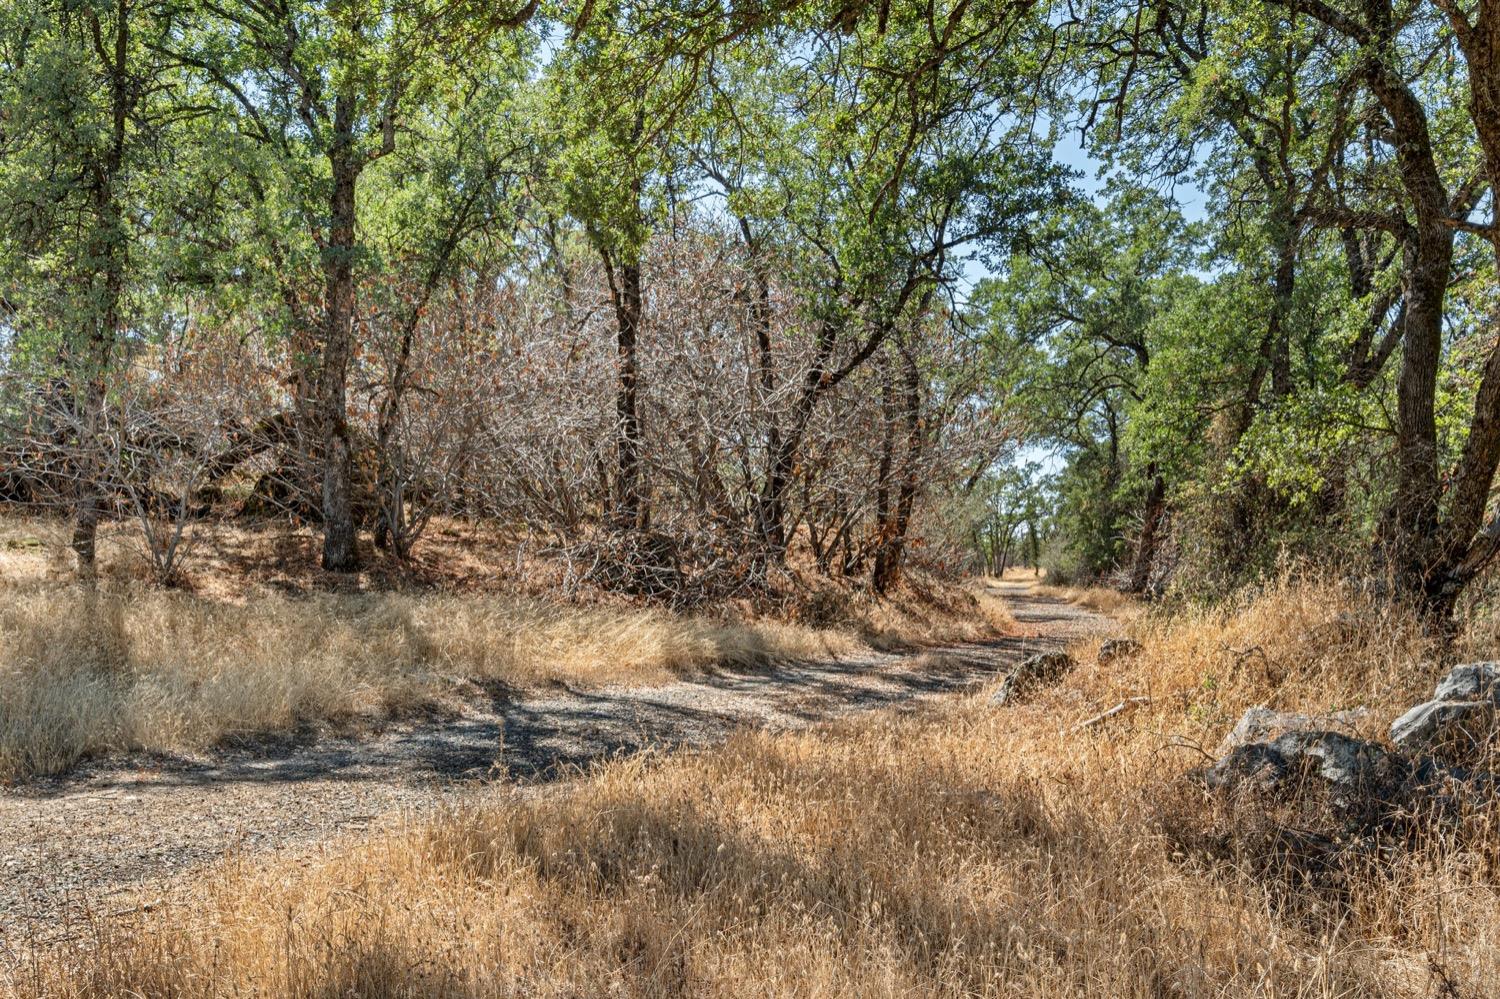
968,851
1103,599
84,673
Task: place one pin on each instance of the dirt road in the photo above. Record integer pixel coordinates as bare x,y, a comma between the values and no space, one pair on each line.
98,839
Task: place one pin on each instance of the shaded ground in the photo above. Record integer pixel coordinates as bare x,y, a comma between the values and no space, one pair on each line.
97,839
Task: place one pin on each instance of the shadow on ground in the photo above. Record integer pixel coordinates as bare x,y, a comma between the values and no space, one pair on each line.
68,843
545,736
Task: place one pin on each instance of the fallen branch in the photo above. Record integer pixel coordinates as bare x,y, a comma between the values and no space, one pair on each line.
1129,702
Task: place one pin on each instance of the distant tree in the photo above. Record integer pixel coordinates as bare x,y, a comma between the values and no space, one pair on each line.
1084,306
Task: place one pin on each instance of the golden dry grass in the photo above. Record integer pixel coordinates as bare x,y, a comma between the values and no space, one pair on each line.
962,852
131,667
86,673
1097,598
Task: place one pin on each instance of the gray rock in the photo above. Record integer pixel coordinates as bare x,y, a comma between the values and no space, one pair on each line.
1459,729
1033,672
1309,775
1341,759
1118,648
1470,682
1263,724
1461,723
1353,768
1254,764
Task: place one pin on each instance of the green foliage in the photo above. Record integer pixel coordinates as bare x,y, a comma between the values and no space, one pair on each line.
96,129
1247,383
1081,332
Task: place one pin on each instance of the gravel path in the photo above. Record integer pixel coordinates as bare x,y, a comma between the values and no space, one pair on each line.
98,838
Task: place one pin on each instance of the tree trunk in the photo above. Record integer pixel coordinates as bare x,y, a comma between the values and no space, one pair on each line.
89,502
110,246
782,447
1410,523
629,505
884,470
770,504
1145,549
339,551
888,559
1283,287
1467,544
1252,505
92,472
1409,529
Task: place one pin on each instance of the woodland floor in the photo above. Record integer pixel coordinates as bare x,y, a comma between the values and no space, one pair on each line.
106,837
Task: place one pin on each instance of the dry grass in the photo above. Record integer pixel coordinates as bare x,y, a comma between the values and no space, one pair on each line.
131,667
922,612
971,851
88,673
1097,598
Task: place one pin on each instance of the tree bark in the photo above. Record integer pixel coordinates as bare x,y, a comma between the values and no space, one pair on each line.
339,548
109,245
1467,546
1283,287
884,470
888,560
770,504
1145,549
629,505
1410,526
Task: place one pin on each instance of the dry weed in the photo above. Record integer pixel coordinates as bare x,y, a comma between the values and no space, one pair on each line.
968,851
1103,599
84,673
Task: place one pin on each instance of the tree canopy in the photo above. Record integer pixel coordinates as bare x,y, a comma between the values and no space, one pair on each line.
698,292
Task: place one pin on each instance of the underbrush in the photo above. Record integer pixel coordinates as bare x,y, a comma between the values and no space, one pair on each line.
84,673
963,851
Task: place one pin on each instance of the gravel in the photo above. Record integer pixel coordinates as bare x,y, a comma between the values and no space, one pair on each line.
98,839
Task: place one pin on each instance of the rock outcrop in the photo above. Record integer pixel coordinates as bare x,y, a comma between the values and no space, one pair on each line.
1459,725
1118,648
1351,768
1263,724
1440,760
1036,671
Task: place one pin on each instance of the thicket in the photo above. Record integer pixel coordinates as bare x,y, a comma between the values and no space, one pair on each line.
669,297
